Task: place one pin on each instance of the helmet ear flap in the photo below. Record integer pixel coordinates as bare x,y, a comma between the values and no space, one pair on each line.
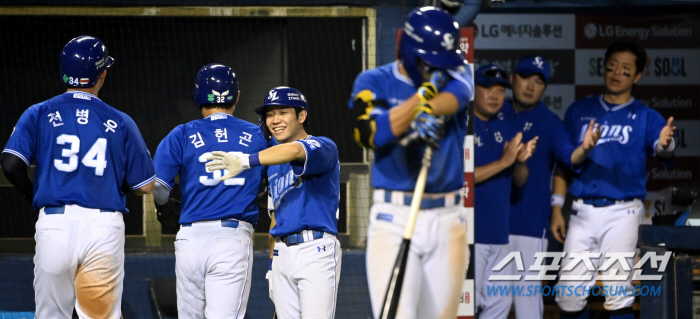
411,63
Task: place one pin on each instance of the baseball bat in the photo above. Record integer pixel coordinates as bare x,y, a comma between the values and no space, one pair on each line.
391,299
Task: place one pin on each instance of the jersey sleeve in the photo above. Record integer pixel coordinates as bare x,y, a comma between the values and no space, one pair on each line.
22,142
321,156
168,159
561,146
655,123
569,124
461,85
139,166
371,111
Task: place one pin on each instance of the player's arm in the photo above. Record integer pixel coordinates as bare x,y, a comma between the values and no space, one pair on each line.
590,139
161,193
15,170
145,189
510,155
666,146
560,183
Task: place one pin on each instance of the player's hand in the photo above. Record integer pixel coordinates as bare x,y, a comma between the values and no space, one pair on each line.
169,214
431,88
558,225
527,150
233,162
430,128
667,134
511,149
590,139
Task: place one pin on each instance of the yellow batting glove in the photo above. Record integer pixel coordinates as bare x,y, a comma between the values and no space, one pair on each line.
427,91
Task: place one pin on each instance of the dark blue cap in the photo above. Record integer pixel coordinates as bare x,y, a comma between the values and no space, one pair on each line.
532,64
489,75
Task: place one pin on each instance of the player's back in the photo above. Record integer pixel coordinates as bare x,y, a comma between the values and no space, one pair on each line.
81,152
187,148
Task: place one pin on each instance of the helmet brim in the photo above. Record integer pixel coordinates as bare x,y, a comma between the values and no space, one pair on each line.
110,61
443,59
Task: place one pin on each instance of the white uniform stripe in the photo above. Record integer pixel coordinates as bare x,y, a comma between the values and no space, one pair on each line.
139,185
18,154
162,182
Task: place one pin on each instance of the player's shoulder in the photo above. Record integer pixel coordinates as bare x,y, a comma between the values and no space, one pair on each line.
320,141
378,75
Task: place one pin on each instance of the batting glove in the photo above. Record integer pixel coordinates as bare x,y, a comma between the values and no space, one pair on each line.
233,163
430,128
431,88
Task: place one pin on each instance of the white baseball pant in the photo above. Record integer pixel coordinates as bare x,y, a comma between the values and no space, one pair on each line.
437,260
213,266
490,304
305,277
79,263
527,304
600,229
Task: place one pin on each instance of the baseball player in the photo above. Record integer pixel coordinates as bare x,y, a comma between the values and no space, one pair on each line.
500,162
213,248
396,108
530,206
611,186
304,182
84,151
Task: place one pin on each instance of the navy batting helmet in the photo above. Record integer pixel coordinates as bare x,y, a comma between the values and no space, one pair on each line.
432,35
83,59
283,96
215,84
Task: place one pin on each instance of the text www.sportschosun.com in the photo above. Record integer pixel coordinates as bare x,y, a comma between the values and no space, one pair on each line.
571,290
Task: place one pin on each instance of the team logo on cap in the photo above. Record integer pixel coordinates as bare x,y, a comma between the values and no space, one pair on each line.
272,95
538,62
448,41
84,81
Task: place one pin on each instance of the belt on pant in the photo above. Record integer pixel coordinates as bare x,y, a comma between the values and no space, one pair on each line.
62,209
298,238
428,201
230,223
605,202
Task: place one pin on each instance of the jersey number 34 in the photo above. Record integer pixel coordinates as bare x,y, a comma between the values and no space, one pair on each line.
94,158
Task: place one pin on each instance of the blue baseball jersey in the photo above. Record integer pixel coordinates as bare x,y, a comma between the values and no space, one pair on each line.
616,167
531,210
492,197
306,194
185,150
84,151
396,165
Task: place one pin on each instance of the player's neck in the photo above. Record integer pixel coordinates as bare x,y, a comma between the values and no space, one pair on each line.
298,136
618,98
93,90
211,110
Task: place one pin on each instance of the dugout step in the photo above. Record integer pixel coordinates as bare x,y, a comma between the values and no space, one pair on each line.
164,297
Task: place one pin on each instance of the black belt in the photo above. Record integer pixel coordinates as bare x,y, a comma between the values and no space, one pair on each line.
298,238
